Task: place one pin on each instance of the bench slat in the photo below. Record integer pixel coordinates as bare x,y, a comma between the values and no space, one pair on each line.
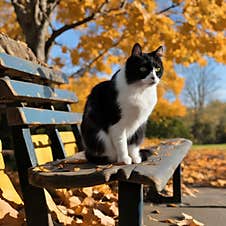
35,116
167,160
155,172
12,89
18,67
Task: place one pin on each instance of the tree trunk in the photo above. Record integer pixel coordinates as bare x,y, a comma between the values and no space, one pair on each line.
33,17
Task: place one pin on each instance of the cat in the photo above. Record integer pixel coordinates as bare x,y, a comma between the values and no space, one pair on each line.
116,111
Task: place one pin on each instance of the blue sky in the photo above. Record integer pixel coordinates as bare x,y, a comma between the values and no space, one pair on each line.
221,73
219,78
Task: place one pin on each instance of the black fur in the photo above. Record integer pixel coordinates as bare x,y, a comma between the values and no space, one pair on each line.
138,136
101,111
147,60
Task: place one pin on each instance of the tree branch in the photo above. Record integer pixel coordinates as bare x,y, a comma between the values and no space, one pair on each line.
15,3
80,72
66,27
174,5
98,12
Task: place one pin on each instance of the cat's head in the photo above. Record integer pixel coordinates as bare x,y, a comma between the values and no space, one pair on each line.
144,68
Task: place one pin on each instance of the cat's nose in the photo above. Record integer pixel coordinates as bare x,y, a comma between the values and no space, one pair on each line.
153,78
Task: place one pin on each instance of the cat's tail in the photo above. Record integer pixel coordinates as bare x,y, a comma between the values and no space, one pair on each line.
145,153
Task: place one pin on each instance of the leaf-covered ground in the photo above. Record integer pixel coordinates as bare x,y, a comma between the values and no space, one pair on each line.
204,166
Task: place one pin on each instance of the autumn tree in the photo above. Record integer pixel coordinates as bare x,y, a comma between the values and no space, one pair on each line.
106,31
201,84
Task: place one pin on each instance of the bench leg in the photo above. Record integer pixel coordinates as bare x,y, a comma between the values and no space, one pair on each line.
36,209
130,204
177,185
155,197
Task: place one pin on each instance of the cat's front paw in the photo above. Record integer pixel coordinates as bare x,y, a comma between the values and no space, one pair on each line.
137,159
126,159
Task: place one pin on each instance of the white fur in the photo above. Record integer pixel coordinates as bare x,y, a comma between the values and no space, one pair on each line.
134,152
136,103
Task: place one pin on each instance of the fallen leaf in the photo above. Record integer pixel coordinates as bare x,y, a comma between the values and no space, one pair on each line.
155,211
70,211
102,190
78,221
108,208
88,201
155,153
171,205
41,169
8,191
60,211
152,218
105,220
74,201
63,209
172,142
88,191
221,182
114,209
84,210
188,221
189,191
60,166
76,169
5,208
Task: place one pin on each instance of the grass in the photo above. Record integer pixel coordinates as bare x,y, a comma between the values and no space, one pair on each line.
209,146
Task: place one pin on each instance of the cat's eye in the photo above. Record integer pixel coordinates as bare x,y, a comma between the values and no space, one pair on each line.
143,69
157,69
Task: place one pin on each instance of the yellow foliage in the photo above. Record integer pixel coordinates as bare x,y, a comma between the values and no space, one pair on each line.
63,218
82,87
7,191
8,21
200,32
165,108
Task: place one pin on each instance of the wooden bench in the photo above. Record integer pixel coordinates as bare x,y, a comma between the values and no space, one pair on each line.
33,105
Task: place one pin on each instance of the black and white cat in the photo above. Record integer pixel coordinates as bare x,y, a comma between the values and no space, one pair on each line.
116,111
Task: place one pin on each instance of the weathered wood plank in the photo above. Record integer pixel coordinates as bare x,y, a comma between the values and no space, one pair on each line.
156,171
26,91
15,66
161,167
35,116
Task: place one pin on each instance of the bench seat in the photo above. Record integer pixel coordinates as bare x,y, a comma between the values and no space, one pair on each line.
75,172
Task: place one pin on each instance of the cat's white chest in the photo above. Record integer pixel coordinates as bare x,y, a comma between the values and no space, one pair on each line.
136,105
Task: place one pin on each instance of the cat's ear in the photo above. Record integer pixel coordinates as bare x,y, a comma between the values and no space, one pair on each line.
159,51
137,50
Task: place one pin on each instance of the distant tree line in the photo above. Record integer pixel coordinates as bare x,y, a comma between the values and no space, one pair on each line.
208,128
205,127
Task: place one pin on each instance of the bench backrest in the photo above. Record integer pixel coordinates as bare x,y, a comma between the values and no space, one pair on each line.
33,103
43,150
